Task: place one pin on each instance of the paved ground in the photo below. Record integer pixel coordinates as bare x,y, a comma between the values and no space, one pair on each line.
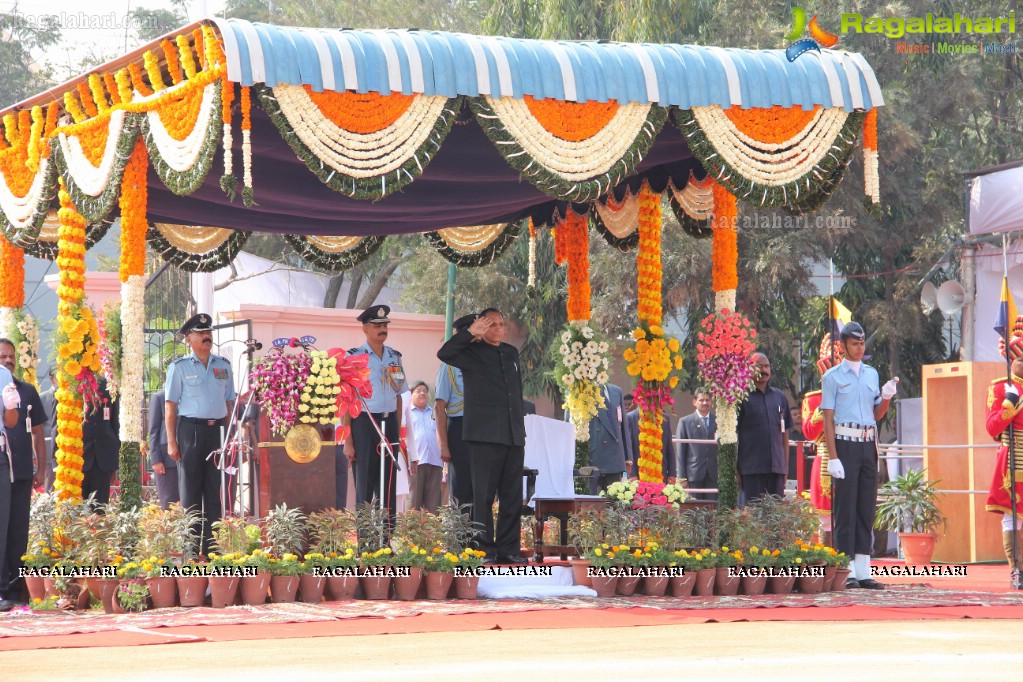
890,650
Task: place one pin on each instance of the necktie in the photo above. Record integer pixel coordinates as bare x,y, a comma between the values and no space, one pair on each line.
706,423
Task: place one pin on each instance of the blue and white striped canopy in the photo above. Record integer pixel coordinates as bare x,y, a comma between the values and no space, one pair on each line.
451,64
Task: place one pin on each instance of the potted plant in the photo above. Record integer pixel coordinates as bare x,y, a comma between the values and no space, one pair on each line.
168,533
331,530
162,587
313,578
606,564
687,563
284,529
412,559
224,577
585,532
467,568
756,564
908,506
656,561
726,582
191,582
284,578
254,586
377,570
132,592
706,572
343,577
440,573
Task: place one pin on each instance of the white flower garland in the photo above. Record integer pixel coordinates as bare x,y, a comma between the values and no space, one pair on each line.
621,220
247,158
727,417
228,150
769,164
573,161
181,155
133,321
697,202
724,300
21,211
28,350
871,176
319,396
7,321
356,154
531,282
93,180
471,239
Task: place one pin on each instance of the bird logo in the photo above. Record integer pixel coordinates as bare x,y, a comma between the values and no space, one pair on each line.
818,36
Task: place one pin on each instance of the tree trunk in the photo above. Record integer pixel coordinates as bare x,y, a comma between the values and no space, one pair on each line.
333,290
358,273
378,283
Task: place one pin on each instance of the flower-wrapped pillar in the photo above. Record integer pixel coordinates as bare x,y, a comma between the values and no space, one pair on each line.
654,359
134,225
581,370
725,279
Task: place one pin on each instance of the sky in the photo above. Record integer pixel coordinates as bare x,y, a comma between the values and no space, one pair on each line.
95,27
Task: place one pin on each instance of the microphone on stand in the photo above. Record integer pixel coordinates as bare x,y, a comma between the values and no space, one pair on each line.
251,346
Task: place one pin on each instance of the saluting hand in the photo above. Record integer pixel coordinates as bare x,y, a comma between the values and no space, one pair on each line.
480,326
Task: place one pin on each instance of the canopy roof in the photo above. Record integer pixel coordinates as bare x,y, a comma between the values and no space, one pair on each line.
363,133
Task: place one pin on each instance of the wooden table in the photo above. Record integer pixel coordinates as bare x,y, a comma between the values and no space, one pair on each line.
560,508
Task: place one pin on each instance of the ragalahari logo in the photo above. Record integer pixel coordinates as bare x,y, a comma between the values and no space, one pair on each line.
818,36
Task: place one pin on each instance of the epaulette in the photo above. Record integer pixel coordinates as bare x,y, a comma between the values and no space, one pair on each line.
398,353
353,351
177,360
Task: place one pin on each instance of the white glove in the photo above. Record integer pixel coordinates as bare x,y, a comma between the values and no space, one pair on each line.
836,469
889,389
1011,393
12,400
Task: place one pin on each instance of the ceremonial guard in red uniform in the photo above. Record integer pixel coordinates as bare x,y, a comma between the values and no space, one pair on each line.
1003,408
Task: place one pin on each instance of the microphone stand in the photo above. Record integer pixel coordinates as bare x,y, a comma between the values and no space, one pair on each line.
232,432
383,448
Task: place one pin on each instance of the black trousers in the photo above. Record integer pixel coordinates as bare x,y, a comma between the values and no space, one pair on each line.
707,482
97,481
460,469
199,477
497,472
854,498
755,486
15,502
367,461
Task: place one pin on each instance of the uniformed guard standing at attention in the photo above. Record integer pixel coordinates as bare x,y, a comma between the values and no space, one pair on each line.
852,401
388,380
199,396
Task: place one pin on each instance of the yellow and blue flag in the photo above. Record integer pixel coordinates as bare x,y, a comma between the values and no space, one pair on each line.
839,316
1006,310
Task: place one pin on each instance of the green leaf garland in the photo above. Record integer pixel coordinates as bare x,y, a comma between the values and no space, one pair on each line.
184,183
475,259
26,237
203,262
334,261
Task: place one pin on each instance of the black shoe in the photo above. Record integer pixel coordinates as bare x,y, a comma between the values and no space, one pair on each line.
6,605
871,584
852,584
506,559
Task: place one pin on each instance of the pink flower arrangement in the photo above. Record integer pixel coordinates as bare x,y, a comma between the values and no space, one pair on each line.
723,350
278,380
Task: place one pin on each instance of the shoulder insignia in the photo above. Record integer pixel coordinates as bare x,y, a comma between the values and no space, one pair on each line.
395,352
355,351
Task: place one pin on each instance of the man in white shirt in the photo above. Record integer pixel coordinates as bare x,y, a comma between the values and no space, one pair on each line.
424,452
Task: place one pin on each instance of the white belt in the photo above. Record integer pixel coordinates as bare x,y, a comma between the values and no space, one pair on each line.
856,433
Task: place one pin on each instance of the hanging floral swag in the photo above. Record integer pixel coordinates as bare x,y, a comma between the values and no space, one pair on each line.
479,257
334,260
47,250
210,261
581,371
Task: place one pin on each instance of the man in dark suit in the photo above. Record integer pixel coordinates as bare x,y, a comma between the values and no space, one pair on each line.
101,445
610,438
698,463
494,428
165,468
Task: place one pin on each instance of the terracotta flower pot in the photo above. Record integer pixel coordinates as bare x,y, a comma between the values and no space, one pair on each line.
103,590
376,587
655,586
191,589
605,585
342,587
79,592
917,548
36,587
466,586
405,587
119,608
254,588
725,585
682,585
49,587
579,568
841,575
704,586
163,591
829,578
811,584
780,584
438,584
753,585
223,590
310,588
627,585
283,588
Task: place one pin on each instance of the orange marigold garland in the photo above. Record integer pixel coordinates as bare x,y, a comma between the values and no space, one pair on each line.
12,285
871,177
170,53
228,181
572,245
725,247
654,359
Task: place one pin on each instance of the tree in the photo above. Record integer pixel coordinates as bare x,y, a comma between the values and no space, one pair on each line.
150,24
21,75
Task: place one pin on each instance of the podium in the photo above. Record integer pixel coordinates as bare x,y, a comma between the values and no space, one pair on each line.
955,412
308,485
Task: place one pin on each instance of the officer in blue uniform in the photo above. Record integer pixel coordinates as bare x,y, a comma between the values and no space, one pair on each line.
852,401
448,407
388,380
199,394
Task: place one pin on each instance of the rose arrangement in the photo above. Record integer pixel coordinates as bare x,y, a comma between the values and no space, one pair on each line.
723,351
581,372
643,494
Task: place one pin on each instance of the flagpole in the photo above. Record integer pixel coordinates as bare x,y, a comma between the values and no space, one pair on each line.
831,307
1014,574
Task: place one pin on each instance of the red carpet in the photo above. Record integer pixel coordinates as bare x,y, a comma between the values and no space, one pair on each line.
983,593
